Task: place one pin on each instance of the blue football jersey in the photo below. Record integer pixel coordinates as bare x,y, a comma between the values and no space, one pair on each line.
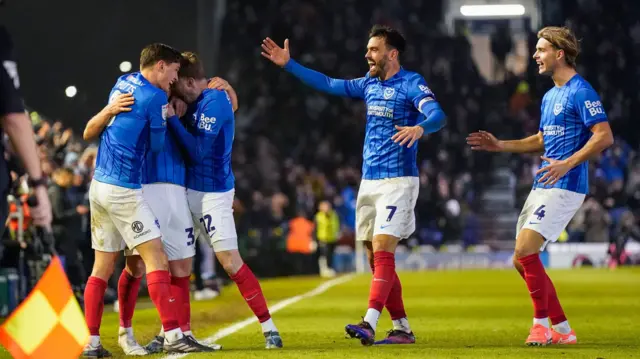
167,166
567,115
392,102
211,121
129,135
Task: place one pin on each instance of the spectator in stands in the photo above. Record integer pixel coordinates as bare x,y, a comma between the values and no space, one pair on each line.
327,230
300,245
67,224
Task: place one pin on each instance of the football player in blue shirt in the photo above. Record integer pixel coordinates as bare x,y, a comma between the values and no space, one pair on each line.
208,141
573,128
400,110
120,216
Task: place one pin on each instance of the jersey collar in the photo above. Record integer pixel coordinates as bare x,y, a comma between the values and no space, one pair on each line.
397,75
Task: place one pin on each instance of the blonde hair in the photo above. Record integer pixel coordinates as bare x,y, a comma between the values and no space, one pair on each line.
562,38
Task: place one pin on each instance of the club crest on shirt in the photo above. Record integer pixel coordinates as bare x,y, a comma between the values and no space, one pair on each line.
388,92
557,108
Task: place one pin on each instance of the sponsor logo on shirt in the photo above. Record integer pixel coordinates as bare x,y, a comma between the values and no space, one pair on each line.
594,107
380,111
553,130
206,123
425,89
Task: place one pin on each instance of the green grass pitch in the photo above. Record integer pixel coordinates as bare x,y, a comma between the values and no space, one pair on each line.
454,314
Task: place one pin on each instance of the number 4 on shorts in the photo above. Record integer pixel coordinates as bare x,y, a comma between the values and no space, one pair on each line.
540,212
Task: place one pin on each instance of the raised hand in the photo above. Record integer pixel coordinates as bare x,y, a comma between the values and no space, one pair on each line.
275,53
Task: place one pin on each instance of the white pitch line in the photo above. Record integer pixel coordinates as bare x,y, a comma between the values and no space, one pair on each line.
277,307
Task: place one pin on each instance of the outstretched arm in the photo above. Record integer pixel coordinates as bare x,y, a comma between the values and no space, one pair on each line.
96,125
485,141
281,57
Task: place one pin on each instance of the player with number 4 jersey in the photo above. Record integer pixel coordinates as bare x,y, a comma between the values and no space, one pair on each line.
400,109
207,138
573,128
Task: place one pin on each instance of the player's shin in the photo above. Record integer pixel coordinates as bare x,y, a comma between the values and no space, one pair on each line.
556,313
395,307
94,293
252,293
128,287
381,284
159,284
248,286
94,306
180,291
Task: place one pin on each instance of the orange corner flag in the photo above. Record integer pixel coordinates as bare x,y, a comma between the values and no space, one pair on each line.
49,322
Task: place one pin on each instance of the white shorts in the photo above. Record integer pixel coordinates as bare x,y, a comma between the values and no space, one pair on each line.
169,203
212,214
119,217
386,207
548,211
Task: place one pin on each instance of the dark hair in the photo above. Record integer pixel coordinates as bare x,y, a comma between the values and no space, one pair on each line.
392,37
191,66
154,53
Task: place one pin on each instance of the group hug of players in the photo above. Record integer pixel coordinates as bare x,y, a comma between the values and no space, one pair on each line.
163,179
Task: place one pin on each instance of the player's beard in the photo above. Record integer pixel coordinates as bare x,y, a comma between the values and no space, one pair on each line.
379,68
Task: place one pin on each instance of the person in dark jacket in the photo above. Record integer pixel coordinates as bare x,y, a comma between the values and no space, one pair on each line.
67,224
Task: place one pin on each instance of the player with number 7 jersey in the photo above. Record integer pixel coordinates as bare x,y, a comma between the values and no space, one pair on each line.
400,110
573,128
206,136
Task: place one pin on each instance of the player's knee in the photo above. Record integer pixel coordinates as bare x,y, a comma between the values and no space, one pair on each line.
103,265
153,255
384,243
135,266
230,261
181,267
528,243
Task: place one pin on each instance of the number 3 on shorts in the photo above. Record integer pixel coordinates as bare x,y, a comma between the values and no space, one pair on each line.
540,212
190,238
392,211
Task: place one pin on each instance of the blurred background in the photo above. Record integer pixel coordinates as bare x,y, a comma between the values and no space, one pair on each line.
296,148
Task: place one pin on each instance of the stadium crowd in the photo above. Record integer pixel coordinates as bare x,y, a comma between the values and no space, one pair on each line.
296,147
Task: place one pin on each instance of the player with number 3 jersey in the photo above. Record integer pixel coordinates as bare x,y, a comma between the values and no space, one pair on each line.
573,128
400,109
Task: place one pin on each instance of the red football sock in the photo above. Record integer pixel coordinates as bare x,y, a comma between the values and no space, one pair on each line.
383,279
128,287
94,303
159,284
251,292
536,278
556,314
180,290
395,304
